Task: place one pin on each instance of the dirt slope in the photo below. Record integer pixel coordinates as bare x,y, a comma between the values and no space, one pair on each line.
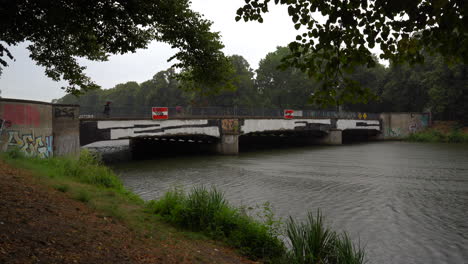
41,225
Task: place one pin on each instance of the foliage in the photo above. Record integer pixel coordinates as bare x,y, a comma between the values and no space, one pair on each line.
313,242
434,86
208,211
283,88
432,135
337,36
58,32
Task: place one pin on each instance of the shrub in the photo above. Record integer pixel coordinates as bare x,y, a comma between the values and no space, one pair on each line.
208,211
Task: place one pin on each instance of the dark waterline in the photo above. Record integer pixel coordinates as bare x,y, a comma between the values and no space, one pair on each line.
407,202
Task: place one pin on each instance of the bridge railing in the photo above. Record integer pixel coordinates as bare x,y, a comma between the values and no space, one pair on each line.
181,112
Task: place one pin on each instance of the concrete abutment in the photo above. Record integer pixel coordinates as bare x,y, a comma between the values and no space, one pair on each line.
228,144
333,137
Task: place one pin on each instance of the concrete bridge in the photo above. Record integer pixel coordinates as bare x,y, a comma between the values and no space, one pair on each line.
224,134
45,130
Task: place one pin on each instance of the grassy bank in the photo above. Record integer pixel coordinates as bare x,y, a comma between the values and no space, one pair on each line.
203,211
207,211
433,135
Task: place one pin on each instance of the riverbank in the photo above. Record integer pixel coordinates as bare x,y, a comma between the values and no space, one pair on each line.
64,211
443,132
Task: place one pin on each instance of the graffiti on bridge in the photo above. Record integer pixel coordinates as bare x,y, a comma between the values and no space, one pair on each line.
29,144
418,122
396,132
64,112
230,125
4,124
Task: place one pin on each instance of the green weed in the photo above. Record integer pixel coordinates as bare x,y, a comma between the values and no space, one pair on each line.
313,242
208,211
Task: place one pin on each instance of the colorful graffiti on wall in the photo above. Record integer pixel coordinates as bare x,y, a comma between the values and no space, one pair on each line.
393,133
29,144
230,125
418,122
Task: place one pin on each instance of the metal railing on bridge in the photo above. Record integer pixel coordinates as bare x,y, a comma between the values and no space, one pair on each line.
144,112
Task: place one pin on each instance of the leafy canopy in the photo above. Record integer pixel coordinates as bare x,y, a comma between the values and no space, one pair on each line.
61,31
335,36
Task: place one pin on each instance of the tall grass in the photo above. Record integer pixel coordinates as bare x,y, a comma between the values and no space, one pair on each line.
313,242
432,135
208,211
87,169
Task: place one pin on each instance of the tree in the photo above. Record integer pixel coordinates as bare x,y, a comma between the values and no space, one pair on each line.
283,88
61,31
243,92
350,29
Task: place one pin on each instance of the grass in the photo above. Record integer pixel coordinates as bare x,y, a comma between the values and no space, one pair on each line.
201,213
85,179
313,242
208,211
432,135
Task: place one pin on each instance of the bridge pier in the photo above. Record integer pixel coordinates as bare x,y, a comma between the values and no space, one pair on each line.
228,144
333,137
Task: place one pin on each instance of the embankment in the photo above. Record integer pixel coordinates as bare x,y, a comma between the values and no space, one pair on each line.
70,211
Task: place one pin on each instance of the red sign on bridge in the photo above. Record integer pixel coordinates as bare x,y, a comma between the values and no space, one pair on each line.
160,113
288,114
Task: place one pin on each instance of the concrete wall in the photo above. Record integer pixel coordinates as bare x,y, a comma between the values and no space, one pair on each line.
400,125
66,130
26,125
29,126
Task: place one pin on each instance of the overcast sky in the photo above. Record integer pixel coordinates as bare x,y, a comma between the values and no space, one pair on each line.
24,80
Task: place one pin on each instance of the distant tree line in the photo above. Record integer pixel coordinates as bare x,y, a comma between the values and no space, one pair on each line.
434,86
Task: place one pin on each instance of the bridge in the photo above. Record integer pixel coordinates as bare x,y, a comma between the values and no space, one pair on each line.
224,133
45,130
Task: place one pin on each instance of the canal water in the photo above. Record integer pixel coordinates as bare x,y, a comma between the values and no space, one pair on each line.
404,202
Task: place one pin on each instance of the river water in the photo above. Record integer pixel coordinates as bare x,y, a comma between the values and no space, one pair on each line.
404,202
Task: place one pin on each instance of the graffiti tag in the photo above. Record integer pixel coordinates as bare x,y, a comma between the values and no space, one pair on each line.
393,132
230,125
29,144
418,123
64,112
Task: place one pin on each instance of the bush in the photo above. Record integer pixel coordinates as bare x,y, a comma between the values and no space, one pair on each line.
209,212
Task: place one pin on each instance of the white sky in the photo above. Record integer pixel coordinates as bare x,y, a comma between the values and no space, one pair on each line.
25,80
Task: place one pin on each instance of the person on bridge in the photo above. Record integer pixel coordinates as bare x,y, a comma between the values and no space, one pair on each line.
107,109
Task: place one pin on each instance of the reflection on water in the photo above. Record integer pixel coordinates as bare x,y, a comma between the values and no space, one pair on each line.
407,202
